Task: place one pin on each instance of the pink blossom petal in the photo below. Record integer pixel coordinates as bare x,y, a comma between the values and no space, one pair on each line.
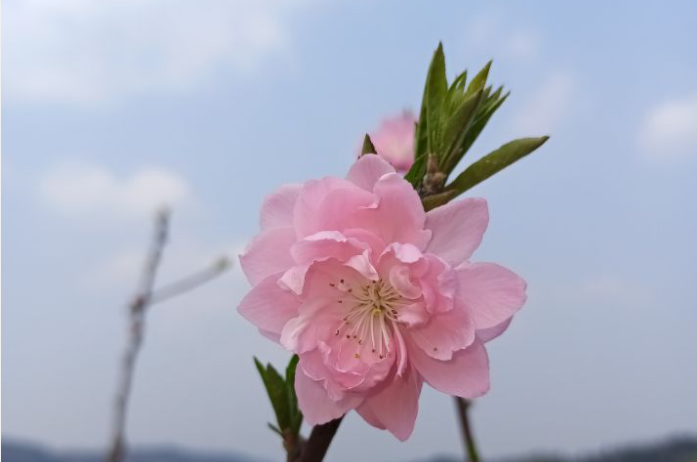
328,204
490,333
269,307
466,375
491,292
367,170
438,285
395,407
413,314
445,333
294,278
400,279
316,405
362,264
277,209
396,215
325,244
316,322
315,365
394,140
369,416
458,228
267,254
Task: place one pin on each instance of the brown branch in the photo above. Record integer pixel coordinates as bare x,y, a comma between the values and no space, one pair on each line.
145,298
463,407
316,446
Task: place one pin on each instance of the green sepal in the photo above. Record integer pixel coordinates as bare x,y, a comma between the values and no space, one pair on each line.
368,146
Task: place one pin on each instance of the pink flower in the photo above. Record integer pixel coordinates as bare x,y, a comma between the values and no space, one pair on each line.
375,295
394,140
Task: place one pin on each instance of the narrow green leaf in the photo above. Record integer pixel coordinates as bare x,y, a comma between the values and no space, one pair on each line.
494,162
261,369
435,89
295,415
276,391
455,93
368,146
479,80
456,130
496,95
459,81
276,388
481,121
275,429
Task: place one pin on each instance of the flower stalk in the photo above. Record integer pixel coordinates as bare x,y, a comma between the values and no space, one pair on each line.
463,407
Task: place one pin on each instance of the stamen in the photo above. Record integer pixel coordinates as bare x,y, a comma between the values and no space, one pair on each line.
373,314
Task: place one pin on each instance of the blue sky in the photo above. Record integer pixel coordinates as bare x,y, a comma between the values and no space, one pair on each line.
111,108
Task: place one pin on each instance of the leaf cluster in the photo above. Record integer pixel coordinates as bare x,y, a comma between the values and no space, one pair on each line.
281,392
451,119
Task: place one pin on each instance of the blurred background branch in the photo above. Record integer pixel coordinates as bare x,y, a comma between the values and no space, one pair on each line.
145,297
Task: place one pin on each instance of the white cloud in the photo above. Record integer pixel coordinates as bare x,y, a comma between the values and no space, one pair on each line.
95,190
670,129
86,50
546,107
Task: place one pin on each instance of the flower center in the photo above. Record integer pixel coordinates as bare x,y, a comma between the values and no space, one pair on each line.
372,311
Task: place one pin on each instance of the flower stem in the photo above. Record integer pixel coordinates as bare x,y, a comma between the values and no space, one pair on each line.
463,406
315,448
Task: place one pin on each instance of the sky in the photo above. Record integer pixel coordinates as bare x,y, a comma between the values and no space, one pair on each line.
113,108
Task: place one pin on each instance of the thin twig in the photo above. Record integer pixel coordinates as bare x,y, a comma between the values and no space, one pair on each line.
315,448
145,298
137,308
190,282
463,406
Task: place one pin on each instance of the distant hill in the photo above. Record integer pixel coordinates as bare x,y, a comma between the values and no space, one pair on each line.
675,450
16,451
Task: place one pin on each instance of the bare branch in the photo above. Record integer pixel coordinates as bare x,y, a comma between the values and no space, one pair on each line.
136,312
145,298
190,282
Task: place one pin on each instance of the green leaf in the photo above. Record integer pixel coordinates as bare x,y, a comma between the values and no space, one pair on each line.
456,130
277,392
494,162
436,89
460,81
428,129
480,122
368,146
479,80
261,369
296,416
455,93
